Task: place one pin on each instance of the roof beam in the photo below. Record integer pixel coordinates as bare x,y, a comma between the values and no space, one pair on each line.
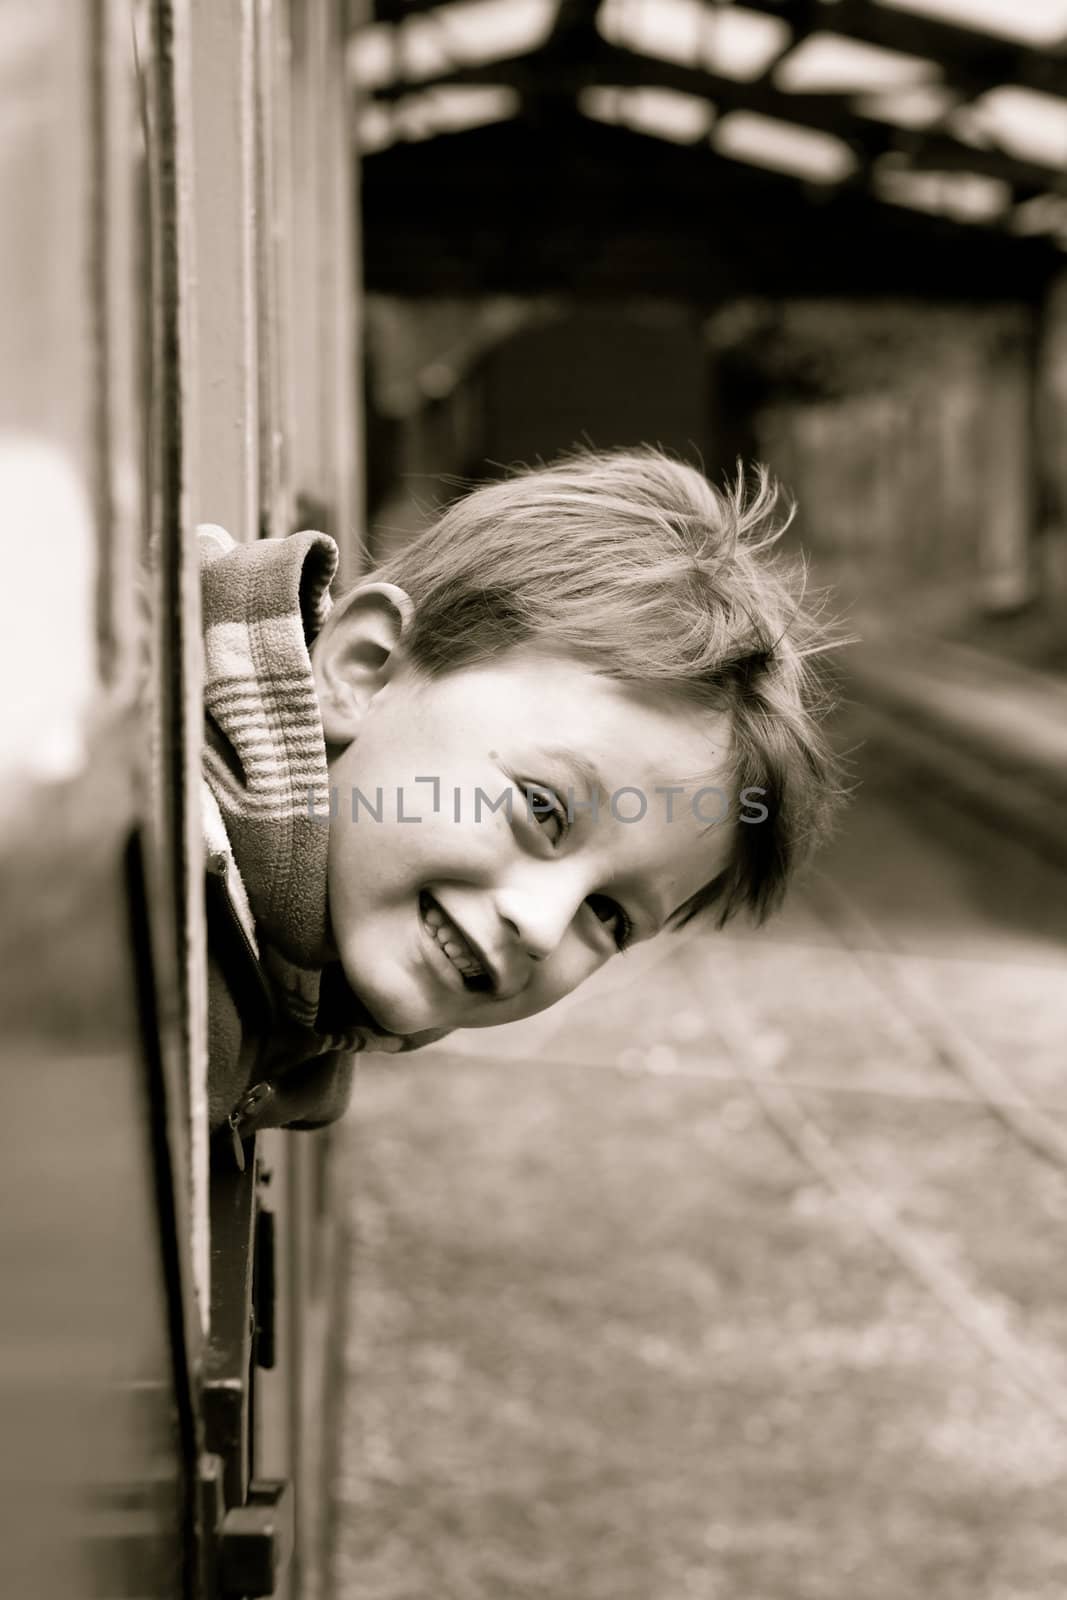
394,11
574,16
534,73
971,60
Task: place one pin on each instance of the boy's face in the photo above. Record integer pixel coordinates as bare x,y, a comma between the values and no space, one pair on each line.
448,914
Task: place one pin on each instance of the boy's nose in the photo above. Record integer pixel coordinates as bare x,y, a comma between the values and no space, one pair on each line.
538,913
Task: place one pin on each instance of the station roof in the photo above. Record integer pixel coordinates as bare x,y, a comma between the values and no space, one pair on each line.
707,147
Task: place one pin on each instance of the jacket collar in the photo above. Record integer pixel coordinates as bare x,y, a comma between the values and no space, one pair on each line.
265,761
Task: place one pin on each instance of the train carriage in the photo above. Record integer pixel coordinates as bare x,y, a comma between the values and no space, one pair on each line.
178,345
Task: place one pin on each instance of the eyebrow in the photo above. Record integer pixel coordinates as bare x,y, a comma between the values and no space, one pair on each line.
580,766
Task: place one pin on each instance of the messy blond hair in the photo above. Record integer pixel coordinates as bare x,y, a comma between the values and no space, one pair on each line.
635,565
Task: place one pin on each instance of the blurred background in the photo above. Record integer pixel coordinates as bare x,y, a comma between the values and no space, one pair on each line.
739,1276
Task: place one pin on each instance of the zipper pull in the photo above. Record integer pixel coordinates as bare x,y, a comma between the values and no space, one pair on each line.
238,1147
245,1113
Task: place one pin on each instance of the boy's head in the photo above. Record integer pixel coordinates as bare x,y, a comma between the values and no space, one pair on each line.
577,709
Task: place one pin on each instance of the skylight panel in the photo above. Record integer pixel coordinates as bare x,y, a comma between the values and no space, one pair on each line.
1025,123
447,108
965,124
374,128
920,107
462,33
730,40
601,103
828,63
1032,22
452,107
1043,213
963,196
371,56
668,29
664,113
490,30
424,48
742,44
783,146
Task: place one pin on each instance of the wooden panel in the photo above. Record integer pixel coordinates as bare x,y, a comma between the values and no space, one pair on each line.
222,45
274,516
308,402
173,590
294,459
307,457
327,469
340,334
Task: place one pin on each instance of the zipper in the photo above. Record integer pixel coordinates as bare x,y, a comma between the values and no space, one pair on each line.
244,1114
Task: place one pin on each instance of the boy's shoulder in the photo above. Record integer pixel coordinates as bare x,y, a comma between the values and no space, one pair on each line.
286,1074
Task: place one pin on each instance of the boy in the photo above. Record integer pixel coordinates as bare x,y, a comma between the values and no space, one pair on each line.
575,711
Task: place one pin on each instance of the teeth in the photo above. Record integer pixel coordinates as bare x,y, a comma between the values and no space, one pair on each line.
452,942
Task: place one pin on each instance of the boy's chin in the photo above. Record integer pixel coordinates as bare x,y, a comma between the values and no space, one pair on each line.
390,1012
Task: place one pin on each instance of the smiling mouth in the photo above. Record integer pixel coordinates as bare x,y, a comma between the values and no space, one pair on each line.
453,946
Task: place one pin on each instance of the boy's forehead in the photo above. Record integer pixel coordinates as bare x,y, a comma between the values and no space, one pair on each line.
574,707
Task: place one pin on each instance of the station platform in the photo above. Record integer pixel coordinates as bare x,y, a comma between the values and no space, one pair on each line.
987,730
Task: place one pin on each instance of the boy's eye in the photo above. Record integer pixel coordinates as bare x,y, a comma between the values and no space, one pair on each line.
546,809
611,914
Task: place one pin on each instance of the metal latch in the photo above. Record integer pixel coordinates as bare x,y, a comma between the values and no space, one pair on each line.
257,1540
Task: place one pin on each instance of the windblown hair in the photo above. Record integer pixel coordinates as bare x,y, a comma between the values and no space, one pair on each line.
633,564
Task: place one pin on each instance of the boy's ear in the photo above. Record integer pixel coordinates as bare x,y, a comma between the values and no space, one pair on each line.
357,652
